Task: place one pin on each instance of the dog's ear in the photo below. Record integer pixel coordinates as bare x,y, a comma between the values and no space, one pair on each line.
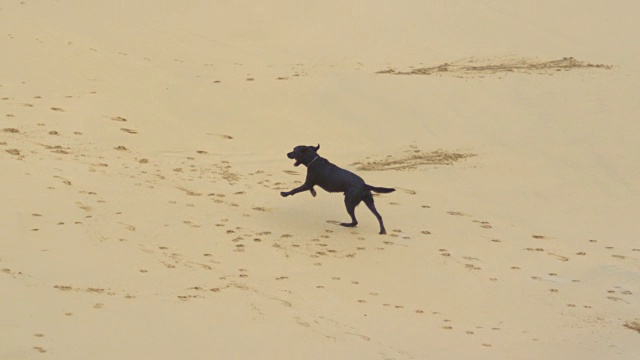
317,147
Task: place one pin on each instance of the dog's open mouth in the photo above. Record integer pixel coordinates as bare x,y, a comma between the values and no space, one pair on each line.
291,156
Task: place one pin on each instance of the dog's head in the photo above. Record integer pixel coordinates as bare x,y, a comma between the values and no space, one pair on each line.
303,154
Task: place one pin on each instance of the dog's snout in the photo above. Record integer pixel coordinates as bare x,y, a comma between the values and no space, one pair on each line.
290,155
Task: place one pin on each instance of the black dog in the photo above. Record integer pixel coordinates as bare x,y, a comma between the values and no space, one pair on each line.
334,179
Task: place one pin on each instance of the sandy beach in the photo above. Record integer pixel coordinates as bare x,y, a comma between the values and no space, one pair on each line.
143,151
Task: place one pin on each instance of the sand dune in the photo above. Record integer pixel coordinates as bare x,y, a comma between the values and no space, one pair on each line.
143,148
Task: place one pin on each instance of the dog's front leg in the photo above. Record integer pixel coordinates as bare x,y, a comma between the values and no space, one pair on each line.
304,187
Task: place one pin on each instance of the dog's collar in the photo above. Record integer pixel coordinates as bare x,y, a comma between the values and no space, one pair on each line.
314,159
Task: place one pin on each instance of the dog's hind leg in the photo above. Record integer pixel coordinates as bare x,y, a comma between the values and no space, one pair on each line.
351,202
369,202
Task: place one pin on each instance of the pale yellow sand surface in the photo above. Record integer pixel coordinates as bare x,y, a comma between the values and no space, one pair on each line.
142,152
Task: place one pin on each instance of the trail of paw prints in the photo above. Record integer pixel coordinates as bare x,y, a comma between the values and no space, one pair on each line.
12,273
540,247
445,323
172,259
397,233
237,238
323,246
620,294
184,168
366,296
94,291
449,325
332,329
185,175
469,262
541,250
30,141
481,223
265,180
203,291
238,281
25,143
248,239
220,170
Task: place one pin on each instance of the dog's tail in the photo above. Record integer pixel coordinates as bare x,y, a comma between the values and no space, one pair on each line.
380,189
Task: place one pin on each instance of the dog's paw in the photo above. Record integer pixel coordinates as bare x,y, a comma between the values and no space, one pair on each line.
313,192
284,194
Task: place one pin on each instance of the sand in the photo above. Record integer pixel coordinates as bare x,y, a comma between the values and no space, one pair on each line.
142,152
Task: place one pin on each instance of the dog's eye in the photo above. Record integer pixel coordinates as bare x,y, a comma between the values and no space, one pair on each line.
305,150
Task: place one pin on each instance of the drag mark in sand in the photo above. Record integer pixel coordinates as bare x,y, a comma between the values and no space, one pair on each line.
411,159
477,67
633,325
101,291
223,136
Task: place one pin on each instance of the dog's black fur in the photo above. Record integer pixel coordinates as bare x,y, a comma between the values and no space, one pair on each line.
334,179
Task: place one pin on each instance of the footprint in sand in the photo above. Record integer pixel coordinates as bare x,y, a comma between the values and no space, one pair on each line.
127,226
456,213
84,207
58,109
363,337
483,224
407,191
64,181
227,137
633,325
559,257
130,131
